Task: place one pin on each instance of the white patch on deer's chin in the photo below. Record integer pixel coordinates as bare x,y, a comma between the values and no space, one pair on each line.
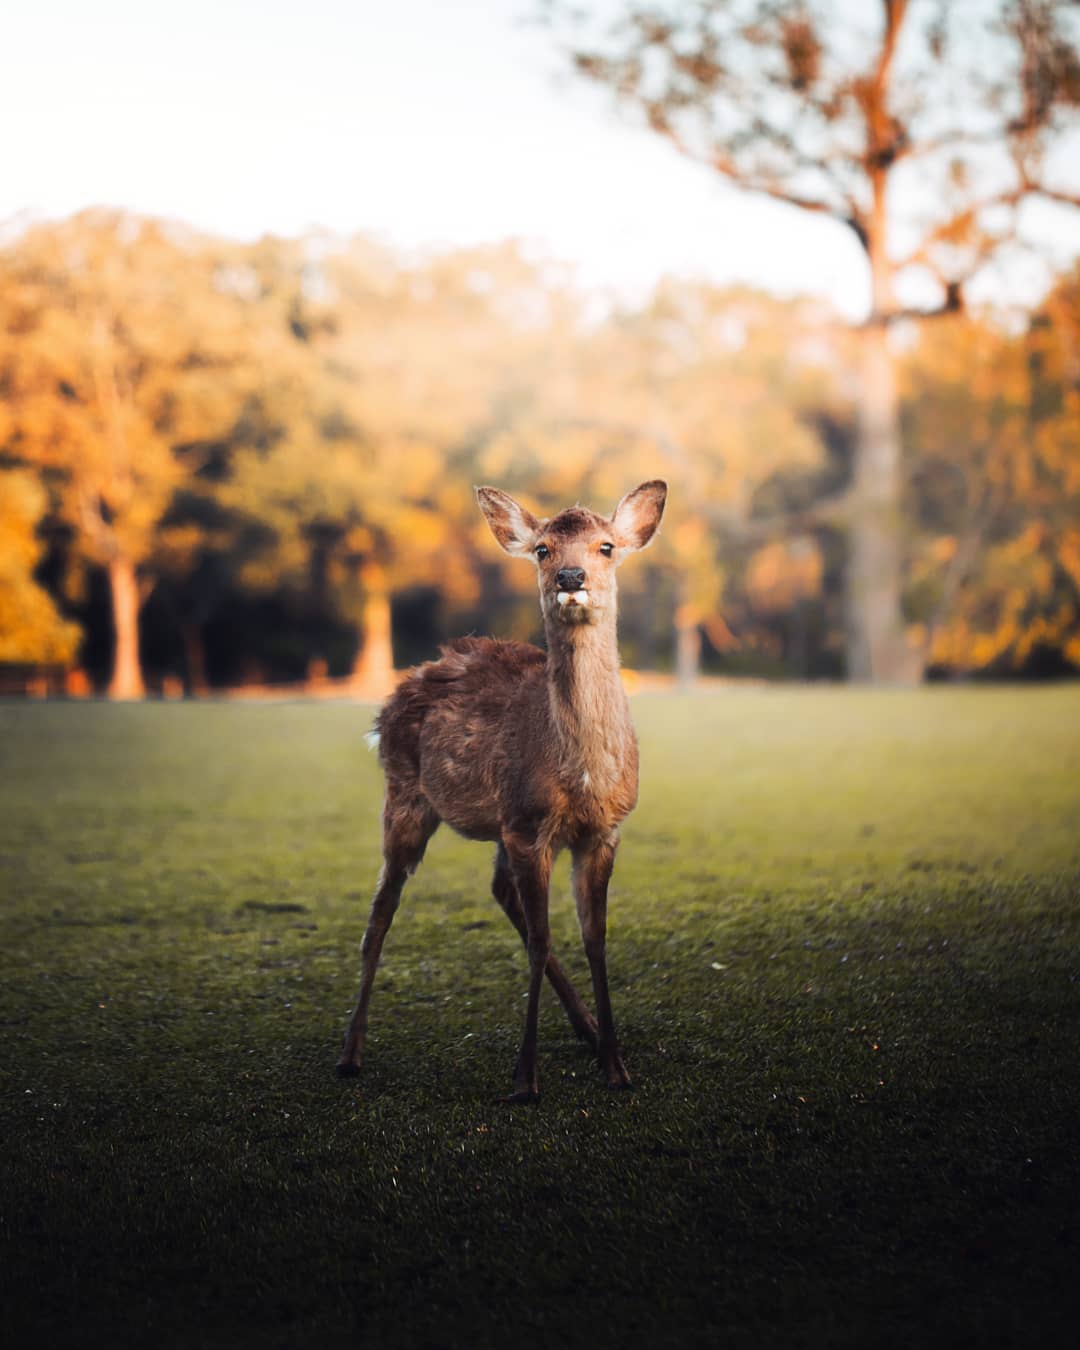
574,606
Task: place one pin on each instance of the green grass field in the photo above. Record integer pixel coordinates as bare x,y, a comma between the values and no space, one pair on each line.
845,957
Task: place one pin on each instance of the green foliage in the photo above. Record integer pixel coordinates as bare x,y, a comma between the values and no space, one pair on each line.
993,429
119,365
844,951
31,629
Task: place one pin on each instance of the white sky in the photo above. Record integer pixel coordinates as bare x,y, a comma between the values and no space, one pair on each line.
421,122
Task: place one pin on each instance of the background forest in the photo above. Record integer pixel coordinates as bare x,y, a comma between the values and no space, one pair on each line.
227,463
231,462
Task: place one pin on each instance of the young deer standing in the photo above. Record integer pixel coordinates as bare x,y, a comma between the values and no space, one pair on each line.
534,752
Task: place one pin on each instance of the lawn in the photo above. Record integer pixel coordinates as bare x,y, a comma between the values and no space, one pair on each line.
845,958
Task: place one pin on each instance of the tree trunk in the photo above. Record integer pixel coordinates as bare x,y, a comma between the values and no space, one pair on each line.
687,645
877,652
797,653
127,678
373,669
646,623
191,635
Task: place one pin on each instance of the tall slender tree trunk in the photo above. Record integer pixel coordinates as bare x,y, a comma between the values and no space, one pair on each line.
373,669
877,651
127,677
876,648
191,635
646,623
687,644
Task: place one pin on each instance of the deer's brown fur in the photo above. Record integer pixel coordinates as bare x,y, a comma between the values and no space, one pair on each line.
532,750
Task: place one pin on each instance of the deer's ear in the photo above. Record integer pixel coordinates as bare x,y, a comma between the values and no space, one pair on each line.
511,524
638,514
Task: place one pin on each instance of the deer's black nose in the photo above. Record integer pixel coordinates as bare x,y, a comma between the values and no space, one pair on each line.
570,578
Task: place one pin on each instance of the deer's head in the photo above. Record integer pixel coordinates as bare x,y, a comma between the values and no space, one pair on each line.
577,551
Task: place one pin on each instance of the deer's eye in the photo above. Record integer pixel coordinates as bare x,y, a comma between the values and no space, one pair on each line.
607,550
542,551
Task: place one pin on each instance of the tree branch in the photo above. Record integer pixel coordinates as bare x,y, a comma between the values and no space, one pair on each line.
895,10
887,138
952,304
94,527
1014,196
847,214
957,139
984,245
1055,195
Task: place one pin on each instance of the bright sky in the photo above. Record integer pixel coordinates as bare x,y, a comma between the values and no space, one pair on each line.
421,122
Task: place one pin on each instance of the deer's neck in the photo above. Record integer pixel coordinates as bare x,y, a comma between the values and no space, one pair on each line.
589,709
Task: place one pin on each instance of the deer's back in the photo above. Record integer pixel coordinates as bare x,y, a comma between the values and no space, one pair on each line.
457,729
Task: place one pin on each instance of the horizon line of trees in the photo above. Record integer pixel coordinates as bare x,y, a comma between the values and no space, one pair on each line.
225,463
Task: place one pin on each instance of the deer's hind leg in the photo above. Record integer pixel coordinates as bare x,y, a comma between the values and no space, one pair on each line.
409,821
594,860
530,864
505,892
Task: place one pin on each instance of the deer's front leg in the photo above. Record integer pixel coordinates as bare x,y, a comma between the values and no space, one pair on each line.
530,863
594,860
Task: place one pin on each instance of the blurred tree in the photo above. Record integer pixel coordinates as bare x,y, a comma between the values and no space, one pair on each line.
923,128
31,629
364,483
278,439
994,421
123,364
712,388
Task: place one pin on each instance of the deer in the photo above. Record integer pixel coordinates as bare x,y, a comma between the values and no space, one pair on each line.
533,751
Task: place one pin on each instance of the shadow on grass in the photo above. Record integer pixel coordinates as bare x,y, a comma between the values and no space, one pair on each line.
823,1147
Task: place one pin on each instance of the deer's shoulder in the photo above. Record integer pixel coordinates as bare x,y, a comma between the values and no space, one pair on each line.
483,655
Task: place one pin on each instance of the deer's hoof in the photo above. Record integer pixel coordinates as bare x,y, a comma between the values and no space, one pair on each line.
617,1077
520,1097
348,1068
